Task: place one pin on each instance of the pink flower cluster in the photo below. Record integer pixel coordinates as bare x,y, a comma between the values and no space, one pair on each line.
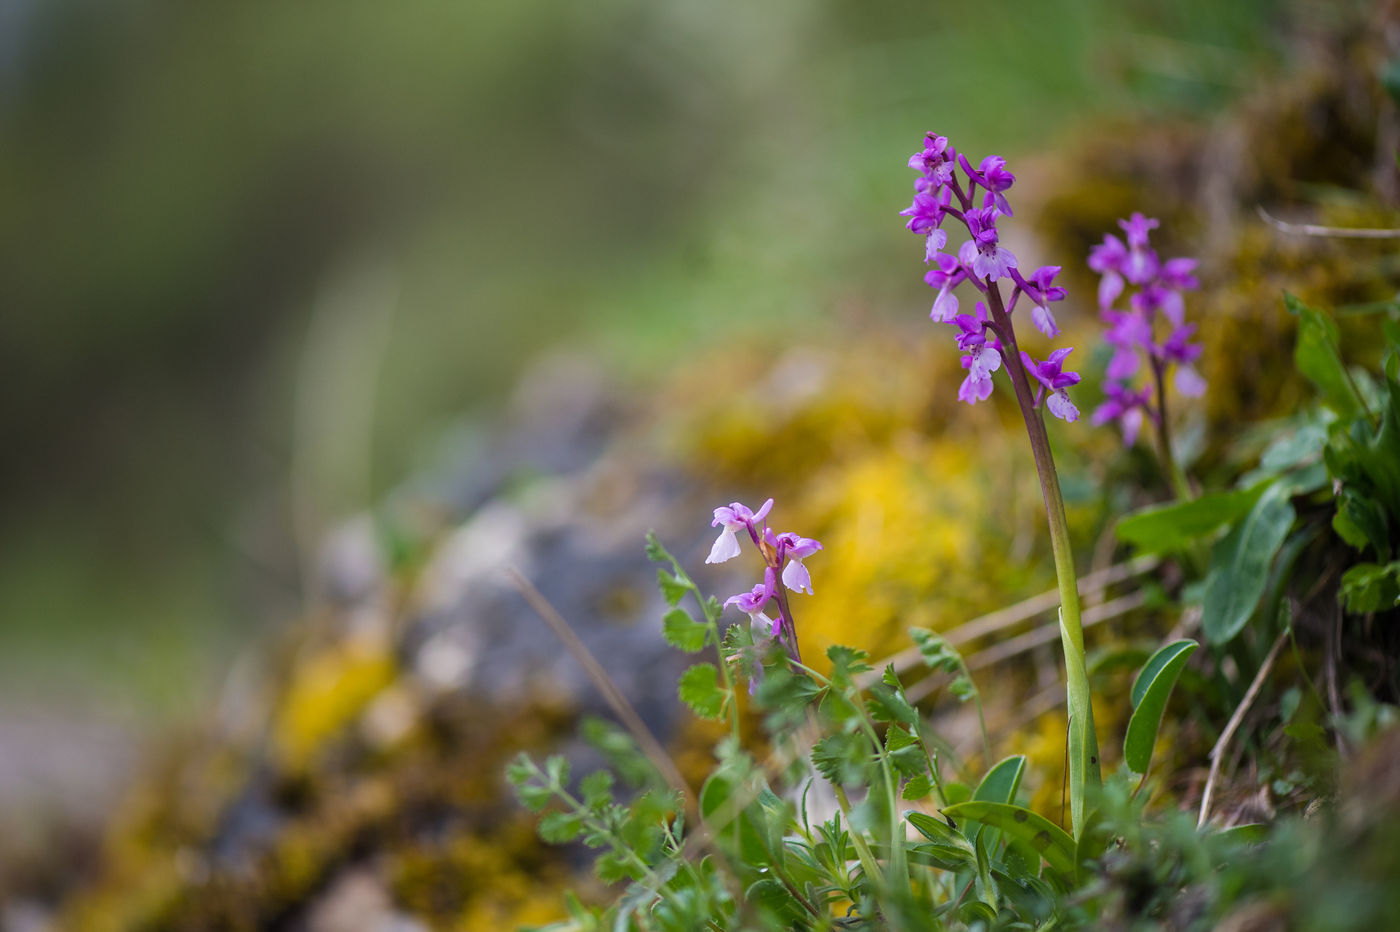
783,570
1152,326
982,260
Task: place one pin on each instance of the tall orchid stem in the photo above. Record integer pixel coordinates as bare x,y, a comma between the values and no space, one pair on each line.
1082,740
1180,486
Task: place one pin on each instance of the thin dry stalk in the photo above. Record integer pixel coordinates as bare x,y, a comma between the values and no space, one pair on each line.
1217,753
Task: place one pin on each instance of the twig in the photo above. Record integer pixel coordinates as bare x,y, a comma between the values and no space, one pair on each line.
1014,614
605,685
1217,753
1313,229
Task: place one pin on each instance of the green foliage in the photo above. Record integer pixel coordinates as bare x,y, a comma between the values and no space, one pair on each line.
976,859
1149,696
1176,525
683,632
699,688
1240,565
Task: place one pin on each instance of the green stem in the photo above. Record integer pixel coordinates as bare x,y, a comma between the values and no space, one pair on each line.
863,852
1083,742
1181,487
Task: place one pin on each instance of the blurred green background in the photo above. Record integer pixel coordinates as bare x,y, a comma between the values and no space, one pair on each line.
260,260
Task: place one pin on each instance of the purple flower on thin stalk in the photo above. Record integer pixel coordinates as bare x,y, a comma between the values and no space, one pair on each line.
1053,381
1126,406
1042,291
987,345
993,260
731,519
753,602
792,550
784,570
1156,306
947,276
993,176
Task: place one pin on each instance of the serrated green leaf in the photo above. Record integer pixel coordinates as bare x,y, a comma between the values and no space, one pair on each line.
1163,528
533,796
1049,840
672,587
939,656
596,788
904,752
683,632
699,688
1240,565
655,552
556,768
842,758
1150,693
918,787
521,769
558,828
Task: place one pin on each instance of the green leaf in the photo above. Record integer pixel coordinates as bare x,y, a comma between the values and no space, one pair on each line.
521,769
1002,781
731,826
1052,842
673,588
844,758
1361,521
556,768
596,789
682,631
918,787
1150,692
1318,359
938,654
1161,528
938,830
904,752
846,662
1370,587
655,552
560,827
1240,565
699,688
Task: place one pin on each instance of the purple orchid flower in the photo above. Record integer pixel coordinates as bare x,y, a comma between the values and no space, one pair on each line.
1054,380
1040,289
993,176
945,277
752,603
982,260
1158,296
1126,406
993,260
792,550
980,364
731,519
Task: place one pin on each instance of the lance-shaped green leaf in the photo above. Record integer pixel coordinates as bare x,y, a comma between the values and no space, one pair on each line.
1240,565
1048,839
1150,692
1002,781
1161,528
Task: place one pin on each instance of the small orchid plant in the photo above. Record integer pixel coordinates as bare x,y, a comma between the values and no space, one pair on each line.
783,569
1151,327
